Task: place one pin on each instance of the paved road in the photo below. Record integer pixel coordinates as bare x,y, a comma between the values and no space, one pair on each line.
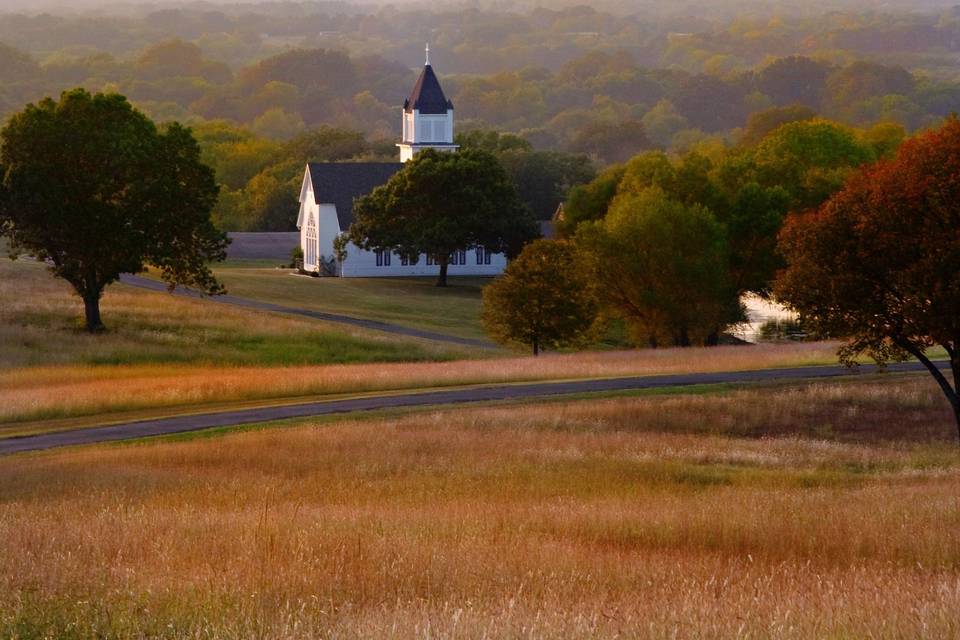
166,426
155,285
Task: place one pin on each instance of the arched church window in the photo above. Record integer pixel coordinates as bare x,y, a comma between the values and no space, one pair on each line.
310,255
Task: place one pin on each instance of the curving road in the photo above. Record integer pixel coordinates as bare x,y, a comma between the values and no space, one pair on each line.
180,424
156,285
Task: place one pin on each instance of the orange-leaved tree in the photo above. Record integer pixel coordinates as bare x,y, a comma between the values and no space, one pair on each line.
879,262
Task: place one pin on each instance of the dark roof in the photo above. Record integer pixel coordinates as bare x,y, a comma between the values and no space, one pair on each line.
339,183
427,96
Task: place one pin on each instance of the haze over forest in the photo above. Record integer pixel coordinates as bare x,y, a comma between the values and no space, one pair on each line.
268,86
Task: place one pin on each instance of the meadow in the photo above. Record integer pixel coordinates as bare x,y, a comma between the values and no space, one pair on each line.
176,354
40,324
411,302
818,510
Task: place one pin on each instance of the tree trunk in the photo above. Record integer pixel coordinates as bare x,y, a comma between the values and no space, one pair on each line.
949,391
442,278
955,400
956,415
91,307
536,347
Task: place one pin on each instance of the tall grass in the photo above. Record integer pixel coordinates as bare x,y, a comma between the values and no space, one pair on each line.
615,518
164,352
49,392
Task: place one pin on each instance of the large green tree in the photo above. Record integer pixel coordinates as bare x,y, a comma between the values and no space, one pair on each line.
878,262
590,201
444,202
91,187
810,159
545,298
663,266
543,178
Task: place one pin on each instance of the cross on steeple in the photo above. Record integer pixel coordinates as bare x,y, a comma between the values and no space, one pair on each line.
428,54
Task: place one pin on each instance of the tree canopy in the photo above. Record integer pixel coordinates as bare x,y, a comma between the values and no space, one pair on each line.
878,262
441,202
545,299
543,178
92,188
662,265
810,159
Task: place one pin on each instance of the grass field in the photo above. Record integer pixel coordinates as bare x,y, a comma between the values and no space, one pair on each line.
412,302
63,391
40,324
818,511
169,352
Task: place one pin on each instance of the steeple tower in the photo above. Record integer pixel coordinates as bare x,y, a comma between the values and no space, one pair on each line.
427,116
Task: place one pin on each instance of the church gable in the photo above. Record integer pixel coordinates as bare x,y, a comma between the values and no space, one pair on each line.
340,183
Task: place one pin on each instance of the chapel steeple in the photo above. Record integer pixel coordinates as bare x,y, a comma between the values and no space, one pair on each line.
427,116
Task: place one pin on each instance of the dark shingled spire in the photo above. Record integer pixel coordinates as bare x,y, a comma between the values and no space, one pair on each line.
427,96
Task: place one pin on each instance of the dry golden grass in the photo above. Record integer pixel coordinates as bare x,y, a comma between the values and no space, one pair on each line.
648,517
40,324
166,352
51,392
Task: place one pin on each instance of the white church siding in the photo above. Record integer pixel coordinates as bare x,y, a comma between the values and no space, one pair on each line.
329,230
363,264
325,230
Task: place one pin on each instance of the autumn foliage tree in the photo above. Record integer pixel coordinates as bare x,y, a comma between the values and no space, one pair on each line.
879,261
545,298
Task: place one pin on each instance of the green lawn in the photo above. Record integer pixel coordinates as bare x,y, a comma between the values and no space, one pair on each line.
40,324
411,302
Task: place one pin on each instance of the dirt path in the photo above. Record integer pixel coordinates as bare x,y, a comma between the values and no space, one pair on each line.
180,424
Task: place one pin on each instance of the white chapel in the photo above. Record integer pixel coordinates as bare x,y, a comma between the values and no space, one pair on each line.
329,189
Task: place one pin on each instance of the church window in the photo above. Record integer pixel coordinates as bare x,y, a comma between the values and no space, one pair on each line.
483,256
404,261
383,258
458,257
310,254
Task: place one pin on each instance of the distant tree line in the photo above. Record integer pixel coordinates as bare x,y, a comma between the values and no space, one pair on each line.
579,79
602,104
714,38
260,178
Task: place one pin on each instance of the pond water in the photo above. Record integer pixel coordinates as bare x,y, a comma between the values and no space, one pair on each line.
767,321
